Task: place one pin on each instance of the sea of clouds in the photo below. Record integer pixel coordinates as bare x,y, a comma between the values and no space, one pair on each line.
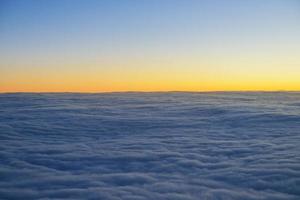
138,146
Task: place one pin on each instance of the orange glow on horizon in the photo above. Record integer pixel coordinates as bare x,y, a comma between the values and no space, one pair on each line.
168,77
96,85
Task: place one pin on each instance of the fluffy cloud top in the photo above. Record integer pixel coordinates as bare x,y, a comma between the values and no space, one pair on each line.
140,146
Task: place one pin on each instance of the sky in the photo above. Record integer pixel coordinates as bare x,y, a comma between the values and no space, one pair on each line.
149,45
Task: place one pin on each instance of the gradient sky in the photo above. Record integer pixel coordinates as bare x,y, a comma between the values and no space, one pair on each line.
149,45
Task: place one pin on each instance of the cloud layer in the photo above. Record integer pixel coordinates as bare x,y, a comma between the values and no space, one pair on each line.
140,146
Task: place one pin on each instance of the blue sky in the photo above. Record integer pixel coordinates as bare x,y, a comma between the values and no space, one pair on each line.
48,34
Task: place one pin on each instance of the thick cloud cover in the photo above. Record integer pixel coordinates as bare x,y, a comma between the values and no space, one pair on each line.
139,146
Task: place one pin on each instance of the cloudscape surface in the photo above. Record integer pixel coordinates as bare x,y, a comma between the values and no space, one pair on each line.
142,45
144,146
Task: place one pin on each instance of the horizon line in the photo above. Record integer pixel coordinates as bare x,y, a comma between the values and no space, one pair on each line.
154,91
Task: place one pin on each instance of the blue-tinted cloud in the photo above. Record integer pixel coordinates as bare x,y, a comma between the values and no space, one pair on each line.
150,146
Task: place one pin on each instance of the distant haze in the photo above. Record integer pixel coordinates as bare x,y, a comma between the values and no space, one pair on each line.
143,45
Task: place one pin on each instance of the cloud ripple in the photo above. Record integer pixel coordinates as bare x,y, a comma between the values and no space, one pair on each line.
140,146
